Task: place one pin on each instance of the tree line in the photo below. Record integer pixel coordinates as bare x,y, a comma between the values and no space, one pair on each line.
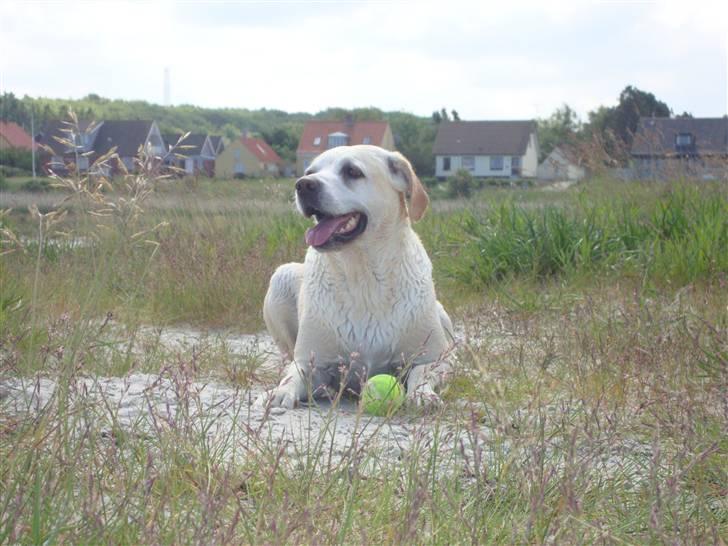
611,128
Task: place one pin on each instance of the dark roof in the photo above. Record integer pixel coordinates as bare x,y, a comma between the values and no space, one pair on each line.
126,135
190,146
314,138
59,129
657,136
170,139
483,137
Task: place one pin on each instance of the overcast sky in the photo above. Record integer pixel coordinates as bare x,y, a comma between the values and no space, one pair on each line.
504,60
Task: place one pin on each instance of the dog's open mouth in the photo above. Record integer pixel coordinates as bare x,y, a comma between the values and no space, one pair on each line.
331,231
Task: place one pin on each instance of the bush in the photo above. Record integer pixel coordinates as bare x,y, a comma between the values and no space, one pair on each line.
461,184
14,157
429,182
36,185
8,171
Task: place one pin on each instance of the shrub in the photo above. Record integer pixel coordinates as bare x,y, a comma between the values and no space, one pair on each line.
36,185
8,171
429,182
461,184
14,157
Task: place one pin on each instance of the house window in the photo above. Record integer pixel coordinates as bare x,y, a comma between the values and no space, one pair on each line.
516,165
337,139
683,140
82,163
317,141
445,163
367,140
469,162
496,163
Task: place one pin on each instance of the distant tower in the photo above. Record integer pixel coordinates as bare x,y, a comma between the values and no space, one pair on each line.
167,86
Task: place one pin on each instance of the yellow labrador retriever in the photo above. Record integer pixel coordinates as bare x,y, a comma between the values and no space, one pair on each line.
363,302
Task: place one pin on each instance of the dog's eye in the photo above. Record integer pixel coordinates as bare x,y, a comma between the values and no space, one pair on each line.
350,171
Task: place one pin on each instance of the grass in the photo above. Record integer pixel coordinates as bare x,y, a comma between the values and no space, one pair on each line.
589,391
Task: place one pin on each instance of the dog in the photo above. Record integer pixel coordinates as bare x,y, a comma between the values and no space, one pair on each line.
363,301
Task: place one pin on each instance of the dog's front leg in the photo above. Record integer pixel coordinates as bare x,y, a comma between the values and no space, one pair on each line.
289,391
422,381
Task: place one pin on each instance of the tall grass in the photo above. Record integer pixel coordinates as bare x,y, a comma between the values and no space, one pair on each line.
678,237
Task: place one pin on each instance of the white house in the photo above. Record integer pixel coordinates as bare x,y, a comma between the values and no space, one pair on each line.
560,164
500,149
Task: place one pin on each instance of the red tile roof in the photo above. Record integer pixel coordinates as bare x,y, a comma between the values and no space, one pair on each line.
15,135
357,132
260,149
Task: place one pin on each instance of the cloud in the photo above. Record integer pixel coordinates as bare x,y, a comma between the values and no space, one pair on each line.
485,60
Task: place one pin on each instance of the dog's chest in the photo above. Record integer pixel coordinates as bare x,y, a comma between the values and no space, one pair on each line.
368,311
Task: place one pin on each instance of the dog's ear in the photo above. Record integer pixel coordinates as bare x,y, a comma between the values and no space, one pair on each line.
406,181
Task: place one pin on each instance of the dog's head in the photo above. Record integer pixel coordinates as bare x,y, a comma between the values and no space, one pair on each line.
357,192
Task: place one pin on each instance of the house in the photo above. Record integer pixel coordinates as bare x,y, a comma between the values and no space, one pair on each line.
85,143
561,164
129,136
248,156
13,135
194,155
319,136
670,147
502,149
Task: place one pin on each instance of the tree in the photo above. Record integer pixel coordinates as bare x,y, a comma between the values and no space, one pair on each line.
443,113
14,109
436,117
634,103
612,128
563,126
414,137
455,115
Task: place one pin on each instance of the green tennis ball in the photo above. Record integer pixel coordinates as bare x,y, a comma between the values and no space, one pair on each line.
382,395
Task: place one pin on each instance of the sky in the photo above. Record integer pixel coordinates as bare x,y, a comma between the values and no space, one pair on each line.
487,60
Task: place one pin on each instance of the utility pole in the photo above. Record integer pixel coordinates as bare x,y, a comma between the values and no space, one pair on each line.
32,140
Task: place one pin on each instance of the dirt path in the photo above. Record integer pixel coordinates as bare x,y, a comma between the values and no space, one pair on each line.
148,403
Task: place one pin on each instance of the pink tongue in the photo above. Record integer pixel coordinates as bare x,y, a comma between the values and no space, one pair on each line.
322,232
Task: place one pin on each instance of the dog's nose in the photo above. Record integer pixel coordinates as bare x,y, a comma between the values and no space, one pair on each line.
307,185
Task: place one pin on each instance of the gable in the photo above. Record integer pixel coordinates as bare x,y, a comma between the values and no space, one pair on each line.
58,130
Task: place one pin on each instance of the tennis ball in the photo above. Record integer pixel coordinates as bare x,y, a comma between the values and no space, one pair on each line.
382,395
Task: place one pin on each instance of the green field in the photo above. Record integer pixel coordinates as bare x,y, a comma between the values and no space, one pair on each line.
596,353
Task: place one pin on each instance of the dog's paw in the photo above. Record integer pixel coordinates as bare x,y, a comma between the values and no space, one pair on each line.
424,397
277,398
